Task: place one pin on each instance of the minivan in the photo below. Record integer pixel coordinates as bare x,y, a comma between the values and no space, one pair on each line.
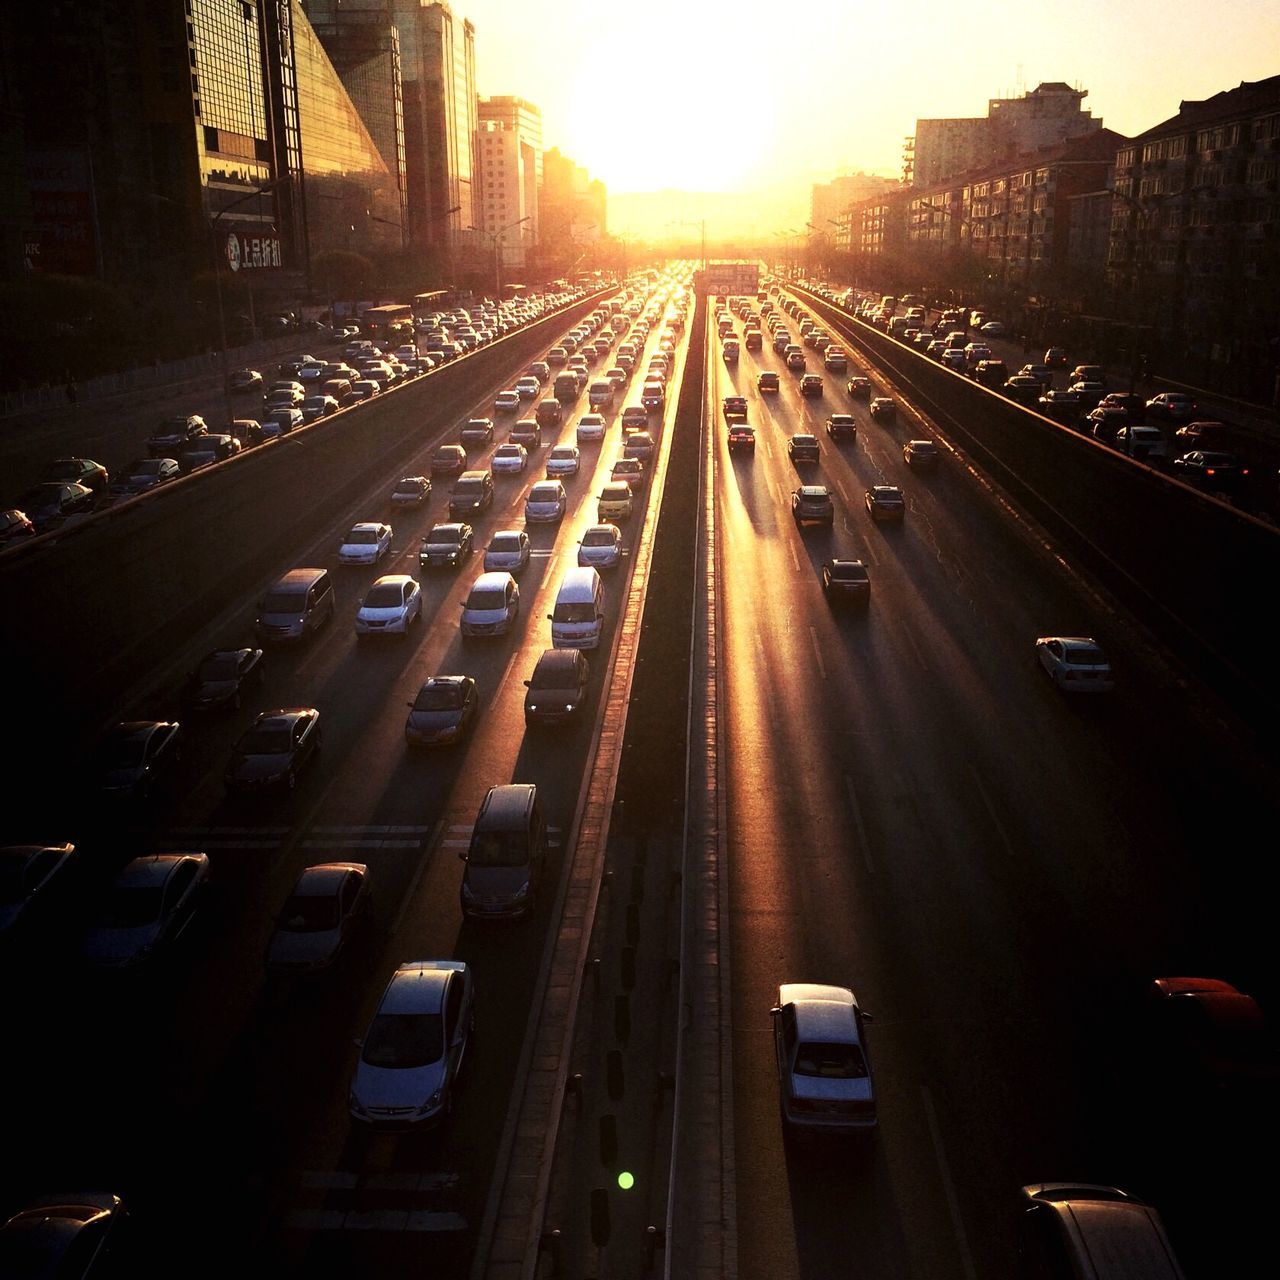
578,617
565,388
297,605
504,862
557,689
1089,1232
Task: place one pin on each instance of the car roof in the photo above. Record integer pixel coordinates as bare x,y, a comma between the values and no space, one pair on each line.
418,986
281,717
367,526
822,1012
392,579
491,580
153,869
559,661
325,879
814,491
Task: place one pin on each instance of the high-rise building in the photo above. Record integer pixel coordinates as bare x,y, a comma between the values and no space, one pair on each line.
1049,113
828,200
509,174
572,206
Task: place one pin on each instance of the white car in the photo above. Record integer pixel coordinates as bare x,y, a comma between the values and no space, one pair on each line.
411,491
367,543
319,917
414,1048
1076,664
591,426
563,460
506,401
527,387
393,604
546,502
824,1074
492,605
993,329
834,358
601,546
509,459
508,551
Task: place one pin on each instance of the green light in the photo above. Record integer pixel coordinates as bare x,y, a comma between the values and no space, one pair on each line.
626,1180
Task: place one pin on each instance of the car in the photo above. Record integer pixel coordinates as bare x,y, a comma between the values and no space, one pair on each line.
1062,406
1213,1038
415,1046
885,502
953,358
734,407
824,1072
639,444
795,360
472,494
859,387
443,712
220,680
842,425
318,406
811,384
410,491
492,605
834,358
146,910
135,757
591,427
322,913
1203,435
509,459
802,448
506,401
992,328
274,750
921,455
1212,470
144,474
1088,373
563,460
811,504
174,433
208,449
767,380
546,503
629,470
618,376
365,543
1144,443
1076,664
557,690
653,395
846,580
15,526
446,544
742,438
390,606
47,504
1056,357
992,374
34,880
729,352
1134,405
615,502
476,433
975,353
283,420
242,381
1023,388
883,409
539,370
365,389
549,413
527,387
448,460
285,395
84,471
600,547
1171,406
526,432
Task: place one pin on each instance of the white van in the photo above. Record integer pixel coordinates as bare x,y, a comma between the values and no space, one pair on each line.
578,617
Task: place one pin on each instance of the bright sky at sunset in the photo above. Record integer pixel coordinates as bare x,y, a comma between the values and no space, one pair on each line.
712,95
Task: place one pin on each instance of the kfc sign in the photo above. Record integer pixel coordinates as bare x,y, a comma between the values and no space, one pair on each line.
252,253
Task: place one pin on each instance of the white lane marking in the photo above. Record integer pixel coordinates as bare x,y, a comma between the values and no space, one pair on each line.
856,810
991,811
948,1187
843,492
817,652
914,647
359,842
417,875
795,559
368,831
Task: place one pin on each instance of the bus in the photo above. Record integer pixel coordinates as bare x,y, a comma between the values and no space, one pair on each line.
393,320
441,300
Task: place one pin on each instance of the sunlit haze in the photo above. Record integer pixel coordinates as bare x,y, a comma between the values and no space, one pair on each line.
706,95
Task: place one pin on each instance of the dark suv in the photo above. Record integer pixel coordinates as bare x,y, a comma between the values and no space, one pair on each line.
174,434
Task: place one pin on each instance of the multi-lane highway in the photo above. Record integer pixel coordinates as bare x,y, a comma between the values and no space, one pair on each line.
907,808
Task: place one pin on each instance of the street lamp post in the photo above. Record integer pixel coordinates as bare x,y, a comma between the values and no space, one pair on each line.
495,238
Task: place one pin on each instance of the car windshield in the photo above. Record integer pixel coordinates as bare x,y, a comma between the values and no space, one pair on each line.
216,670
499,849
469,489
309,913
408,486
445,533
384,595
283,602
507,541
580,612
830,1061
127,908
438,697
487,598
547,678
848,572
1086,656
123,753
265,741
362,537
544,493
597,538
145,467
402,1041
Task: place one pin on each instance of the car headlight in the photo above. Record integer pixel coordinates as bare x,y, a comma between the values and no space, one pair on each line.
569,706
522,891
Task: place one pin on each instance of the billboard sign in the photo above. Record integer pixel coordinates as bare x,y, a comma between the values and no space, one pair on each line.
728,278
